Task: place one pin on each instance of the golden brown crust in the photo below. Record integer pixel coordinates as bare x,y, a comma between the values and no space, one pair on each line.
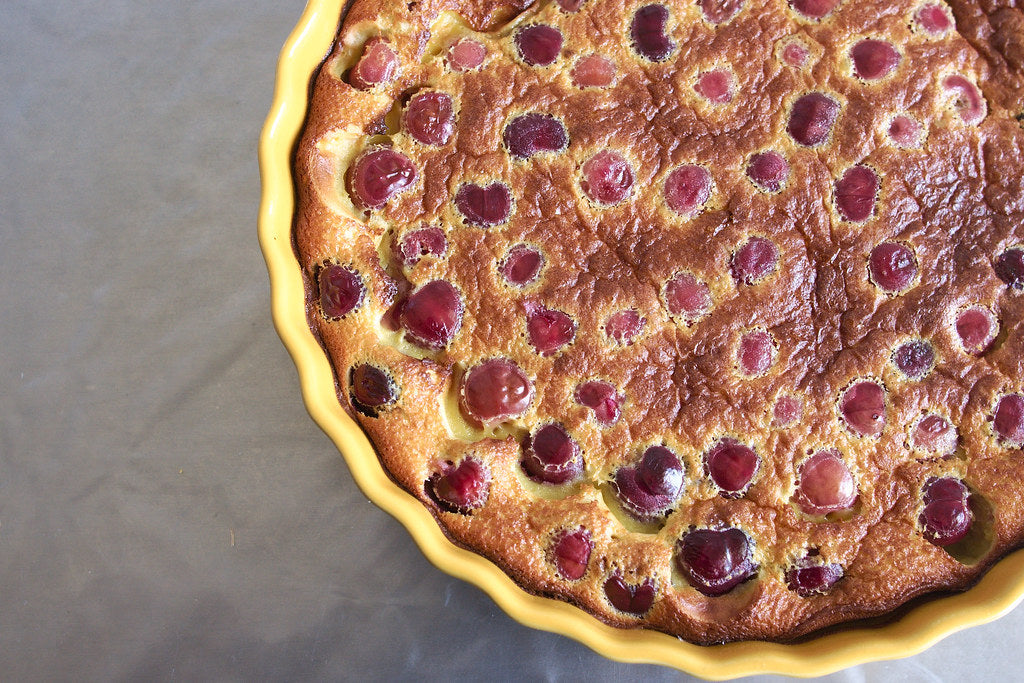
958,200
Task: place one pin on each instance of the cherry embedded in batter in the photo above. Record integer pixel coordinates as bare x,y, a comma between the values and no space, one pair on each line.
768,170
687,189
914,358
905,131
892,267
378,64
648,489
521,265
755,260
593,71
484,206
632,599
460,489
856,193
977,328
649,34
466,54
825,484
551,456
808,578
933,18
687,297
719,11
862,408
371,389
811,119
624,326
530,134
936,434
966,98
549,330
874,59
715,561
602,398
1009,267
814,9
606,178
795,54
756,353
429,118
494,391
570,6
415,244
433,314
570,552
716,86
731,466
378,175
788,409
946,516
538,44
341,290
1008,420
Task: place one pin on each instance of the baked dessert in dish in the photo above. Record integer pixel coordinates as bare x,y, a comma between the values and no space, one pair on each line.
702,316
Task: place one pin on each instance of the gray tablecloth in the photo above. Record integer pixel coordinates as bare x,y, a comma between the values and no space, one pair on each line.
167,507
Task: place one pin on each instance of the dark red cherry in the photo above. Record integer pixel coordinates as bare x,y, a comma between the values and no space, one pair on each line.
570,6
719,11
811,119
433,314
551,456
934,19
538,44
521,265
429,118
756,353
341,291
768,170
628,598
825,484
649,34
795,54
372,389
593,71
788,409
966,98
873,58
660,472
892,266
1009,267
484,206
460,489
715,561
531,134
1008,422
606,178
602,398
623,327
905,131
570,552
687,297
716,86
687,189
636,499
935,433
415,244
814,9
378,175
379,64
914,358
755,260
549,330
946,517
862,407
807,579
731,466
977,328
494,391
466,54
856,193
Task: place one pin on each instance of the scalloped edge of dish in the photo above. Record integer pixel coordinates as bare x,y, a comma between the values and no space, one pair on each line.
999,590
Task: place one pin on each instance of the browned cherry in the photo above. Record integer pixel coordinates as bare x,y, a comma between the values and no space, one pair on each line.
825,484
788,410
341,290
372,389
719,11
622,327
905,131
966,98
936,434
1009,266
714,561
756,353
914,358
593,71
